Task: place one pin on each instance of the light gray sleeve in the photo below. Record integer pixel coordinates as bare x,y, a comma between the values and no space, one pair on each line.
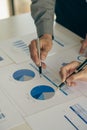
42,12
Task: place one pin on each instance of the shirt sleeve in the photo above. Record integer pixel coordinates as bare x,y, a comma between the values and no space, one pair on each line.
42,12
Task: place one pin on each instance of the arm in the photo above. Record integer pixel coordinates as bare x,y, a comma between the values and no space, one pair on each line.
42,12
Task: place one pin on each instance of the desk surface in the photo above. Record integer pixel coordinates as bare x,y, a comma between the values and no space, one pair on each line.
16,26
23,25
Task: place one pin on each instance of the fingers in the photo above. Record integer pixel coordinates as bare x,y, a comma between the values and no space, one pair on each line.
45,47
82,75
83,46
67,70
71,80
33,52
63,74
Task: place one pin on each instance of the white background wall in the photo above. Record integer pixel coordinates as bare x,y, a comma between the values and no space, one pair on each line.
21,6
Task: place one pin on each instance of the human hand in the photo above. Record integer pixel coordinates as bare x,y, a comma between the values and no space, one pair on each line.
45,47
83,46
69,69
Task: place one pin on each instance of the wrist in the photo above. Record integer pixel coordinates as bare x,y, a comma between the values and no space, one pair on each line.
47,36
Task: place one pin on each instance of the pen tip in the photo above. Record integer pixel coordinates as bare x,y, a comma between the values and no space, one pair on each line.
40,71
61,85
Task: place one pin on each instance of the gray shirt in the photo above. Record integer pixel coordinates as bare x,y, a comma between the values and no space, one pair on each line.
72,15
42,12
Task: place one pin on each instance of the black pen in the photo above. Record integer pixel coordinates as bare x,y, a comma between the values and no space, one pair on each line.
38,48
78,69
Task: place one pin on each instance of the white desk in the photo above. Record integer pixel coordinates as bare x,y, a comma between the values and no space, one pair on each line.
16,26
22,25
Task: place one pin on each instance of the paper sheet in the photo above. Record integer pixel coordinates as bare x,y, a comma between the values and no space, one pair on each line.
9,116
31,94
19,86
4,59
21,127
64,36
17,48
61,117
82,87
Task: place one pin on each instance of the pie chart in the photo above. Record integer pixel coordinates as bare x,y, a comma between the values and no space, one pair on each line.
42,92
81,58
23,75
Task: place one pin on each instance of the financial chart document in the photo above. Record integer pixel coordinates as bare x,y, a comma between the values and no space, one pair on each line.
37,98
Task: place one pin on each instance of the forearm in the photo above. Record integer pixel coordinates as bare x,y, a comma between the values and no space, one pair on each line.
43,14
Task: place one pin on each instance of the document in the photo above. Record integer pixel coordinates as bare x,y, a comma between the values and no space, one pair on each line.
82,87
30,92
9,116
4,59
17,48
68,116
65,38
38,100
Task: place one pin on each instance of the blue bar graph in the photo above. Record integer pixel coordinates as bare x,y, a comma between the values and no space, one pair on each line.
22,46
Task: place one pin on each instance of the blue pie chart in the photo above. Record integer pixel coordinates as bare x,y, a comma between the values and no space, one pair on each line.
23,75
42,92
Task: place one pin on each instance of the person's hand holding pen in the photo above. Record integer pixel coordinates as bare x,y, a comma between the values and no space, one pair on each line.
45,47
69,69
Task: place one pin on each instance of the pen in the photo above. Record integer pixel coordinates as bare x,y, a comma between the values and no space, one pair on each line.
38,48
78,69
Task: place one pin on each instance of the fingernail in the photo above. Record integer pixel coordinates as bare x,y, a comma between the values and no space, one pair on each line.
37,63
